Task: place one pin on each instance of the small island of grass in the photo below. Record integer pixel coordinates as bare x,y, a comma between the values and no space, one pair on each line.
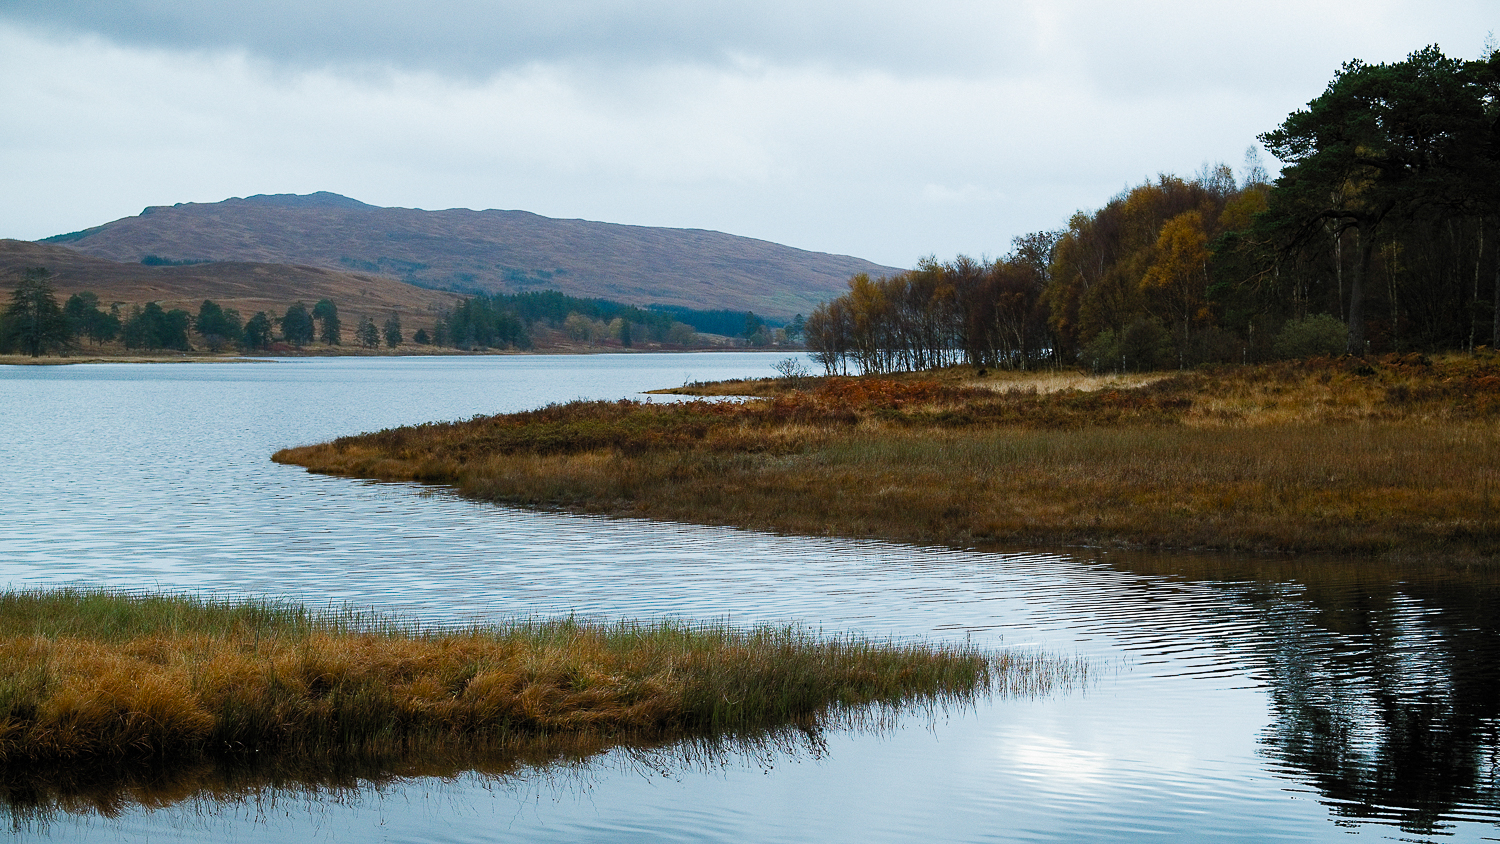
101,678
1397,457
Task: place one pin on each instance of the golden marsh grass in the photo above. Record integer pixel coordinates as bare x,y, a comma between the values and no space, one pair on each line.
1397,458
96,676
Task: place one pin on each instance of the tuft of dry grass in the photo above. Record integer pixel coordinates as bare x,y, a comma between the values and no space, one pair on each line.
961,376
105,676
1398,457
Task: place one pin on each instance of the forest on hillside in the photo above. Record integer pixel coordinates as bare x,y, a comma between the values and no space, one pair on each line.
35,323
1381,234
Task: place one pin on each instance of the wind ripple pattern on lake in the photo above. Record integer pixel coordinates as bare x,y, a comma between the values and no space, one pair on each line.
1226,704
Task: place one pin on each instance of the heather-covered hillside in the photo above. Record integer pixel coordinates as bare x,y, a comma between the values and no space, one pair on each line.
484,251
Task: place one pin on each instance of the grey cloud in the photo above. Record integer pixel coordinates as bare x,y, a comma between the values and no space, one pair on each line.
480,37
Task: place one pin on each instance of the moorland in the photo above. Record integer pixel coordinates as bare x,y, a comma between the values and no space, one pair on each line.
490,251
1396,458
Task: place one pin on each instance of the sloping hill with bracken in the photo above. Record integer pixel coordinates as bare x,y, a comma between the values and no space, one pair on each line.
490,251
247,287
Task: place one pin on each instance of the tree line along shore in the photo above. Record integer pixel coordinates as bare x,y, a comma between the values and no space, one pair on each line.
35,324
1380,235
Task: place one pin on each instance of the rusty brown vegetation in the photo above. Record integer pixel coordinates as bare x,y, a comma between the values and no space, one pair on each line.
1396,457
93,677
246,287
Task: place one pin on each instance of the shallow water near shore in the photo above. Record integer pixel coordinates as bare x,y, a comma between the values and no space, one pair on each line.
1230,699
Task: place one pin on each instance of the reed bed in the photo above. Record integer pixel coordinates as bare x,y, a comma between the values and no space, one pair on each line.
34,794
1396,458
107,676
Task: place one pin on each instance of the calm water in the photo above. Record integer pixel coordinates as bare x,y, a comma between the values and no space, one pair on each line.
1283,700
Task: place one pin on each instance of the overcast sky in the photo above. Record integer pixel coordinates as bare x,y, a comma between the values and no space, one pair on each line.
878,129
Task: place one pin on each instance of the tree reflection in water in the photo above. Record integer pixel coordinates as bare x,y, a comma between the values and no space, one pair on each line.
1384,682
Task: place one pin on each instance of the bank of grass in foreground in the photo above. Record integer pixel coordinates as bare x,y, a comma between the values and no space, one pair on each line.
1398,458
104,676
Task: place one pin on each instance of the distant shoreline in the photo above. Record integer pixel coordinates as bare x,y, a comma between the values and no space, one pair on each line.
23,360
57,360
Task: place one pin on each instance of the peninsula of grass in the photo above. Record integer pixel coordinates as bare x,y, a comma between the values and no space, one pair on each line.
1397,458
103,678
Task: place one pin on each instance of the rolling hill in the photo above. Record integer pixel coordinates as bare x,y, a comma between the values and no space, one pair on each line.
490,251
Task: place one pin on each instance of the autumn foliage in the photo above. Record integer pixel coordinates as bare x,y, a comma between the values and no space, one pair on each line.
1384,218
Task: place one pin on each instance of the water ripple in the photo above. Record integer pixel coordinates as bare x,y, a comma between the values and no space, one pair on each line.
1223,708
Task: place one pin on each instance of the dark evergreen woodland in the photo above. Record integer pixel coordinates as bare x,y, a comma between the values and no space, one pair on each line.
1381,234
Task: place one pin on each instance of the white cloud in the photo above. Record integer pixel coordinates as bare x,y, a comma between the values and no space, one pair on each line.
887,132
477,37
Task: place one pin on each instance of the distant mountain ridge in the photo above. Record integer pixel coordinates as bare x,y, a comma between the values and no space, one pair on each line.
491,251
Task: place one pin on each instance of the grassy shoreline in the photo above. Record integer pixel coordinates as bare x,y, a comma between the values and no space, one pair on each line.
92,677
1397,458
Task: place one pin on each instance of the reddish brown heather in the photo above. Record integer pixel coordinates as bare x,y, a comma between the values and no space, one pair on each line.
1398,457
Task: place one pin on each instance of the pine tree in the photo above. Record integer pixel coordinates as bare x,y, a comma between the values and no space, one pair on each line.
34,323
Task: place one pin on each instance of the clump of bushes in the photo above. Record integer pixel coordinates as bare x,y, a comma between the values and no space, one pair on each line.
1141,346
1317,335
